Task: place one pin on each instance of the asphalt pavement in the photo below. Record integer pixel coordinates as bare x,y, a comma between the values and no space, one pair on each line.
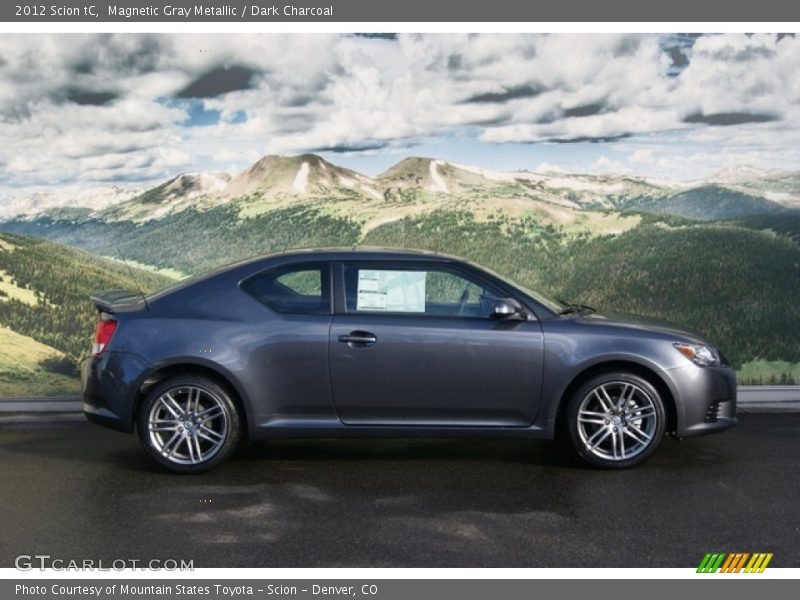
76,490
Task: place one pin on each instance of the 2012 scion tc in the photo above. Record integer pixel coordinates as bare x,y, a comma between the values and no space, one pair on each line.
389,343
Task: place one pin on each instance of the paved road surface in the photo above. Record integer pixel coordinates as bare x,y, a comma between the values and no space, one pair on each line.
79,491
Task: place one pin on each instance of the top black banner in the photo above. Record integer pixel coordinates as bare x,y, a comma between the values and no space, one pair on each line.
463,11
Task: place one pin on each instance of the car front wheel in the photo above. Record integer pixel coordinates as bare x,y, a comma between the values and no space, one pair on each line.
189,424
615,420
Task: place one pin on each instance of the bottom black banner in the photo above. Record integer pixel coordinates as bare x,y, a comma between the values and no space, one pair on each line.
390,589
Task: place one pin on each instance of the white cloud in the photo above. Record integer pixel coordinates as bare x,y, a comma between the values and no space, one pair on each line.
352,94
642,155
604,164
549,168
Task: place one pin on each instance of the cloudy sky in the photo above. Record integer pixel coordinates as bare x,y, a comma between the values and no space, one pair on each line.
86,110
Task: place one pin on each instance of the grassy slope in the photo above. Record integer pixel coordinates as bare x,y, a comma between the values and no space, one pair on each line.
21,373
60,279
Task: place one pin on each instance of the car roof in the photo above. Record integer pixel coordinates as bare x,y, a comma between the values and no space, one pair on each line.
365,253
251,265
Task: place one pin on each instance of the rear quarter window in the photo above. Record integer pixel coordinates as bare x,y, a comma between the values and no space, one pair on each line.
295,289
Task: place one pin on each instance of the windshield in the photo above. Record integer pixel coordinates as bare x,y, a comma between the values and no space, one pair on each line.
544,301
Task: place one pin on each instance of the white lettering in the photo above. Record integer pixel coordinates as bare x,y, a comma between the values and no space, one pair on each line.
290,10
263,11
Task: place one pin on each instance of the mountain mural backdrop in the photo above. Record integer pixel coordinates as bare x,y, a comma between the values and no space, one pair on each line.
720,255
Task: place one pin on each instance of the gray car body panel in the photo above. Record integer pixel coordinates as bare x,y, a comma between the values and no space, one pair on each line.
424,376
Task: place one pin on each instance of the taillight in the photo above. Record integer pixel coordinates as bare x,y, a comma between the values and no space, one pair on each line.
105,329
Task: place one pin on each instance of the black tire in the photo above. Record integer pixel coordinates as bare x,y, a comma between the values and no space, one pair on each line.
599,436
179,436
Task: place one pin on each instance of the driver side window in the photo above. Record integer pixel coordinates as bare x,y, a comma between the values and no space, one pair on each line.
435,292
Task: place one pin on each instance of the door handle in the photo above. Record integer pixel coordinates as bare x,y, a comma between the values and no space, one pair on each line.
358,338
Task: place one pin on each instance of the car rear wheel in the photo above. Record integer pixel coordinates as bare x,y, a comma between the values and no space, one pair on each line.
615,420
189,424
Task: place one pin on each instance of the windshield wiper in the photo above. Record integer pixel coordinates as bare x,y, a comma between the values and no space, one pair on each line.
571,307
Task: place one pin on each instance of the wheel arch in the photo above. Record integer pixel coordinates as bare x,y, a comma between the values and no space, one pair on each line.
649,374
182,368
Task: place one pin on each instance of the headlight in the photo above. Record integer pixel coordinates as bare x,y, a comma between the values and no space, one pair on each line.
699,354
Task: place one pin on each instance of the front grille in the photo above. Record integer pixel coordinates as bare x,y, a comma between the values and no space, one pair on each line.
712,414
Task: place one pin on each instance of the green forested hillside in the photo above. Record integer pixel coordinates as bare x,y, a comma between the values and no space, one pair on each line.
736,282
45,287
194,241
784,224
735,285
722,261
706,203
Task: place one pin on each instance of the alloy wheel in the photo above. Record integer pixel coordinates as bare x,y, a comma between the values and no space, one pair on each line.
188,425
617,421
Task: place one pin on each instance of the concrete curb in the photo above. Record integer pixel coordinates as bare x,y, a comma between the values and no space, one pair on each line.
44,404
22,412
768,398
761,406
58,409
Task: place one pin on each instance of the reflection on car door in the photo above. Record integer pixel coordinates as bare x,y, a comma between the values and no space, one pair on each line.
415,345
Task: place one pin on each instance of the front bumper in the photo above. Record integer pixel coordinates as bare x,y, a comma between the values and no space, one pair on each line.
110,384
705,399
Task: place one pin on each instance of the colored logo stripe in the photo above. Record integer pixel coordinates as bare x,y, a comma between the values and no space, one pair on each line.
758,563
711,563
735,562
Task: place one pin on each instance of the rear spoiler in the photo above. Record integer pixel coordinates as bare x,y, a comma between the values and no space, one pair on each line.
112,300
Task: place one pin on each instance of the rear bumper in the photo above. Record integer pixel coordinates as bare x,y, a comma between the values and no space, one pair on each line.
109,383
706,399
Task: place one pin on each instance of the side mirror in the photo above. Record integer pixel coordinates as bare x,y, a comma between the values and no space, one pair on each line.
507,308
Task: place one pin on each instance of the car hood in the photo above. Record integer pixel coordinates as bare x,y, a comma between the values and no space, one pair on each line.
628,321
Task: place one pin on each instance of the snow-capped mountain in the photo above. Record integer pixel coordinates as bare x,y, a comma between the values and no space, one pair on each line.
178,193
39,201
306,174
308,177
743,174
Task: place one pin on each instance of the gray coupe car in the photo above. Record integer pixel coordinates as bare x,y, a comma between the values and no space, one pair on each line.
390,343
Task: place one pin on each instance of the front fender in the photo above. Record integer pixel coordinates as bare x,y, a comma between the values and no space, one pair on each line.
561,375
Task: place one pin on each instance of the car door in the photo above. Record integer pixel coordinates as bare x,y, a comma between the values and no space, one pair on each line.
415,344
